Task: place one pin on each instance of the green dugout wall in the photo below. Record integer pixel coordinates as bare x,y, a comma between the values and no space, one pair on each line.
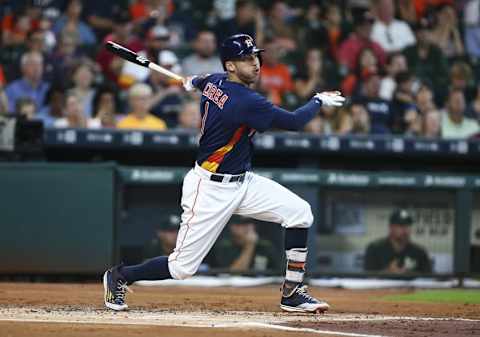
56,218
63,218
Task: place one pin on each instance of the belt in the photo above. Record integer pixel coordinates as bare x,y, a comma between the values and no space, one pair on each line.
227,179
217,177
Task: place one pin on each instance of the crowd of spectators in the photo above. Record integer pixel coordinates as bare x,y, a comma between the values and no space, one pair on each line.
408,67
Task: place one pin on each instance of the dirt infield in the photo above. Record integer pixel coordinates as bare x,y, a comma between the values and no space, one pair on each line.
76,310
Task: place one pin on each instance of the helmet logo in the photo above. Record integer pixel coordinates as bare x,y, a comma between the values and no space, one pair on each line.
249,43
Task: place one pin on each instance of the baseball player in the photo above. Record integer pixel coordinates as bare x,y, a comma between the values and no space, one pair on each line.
222,184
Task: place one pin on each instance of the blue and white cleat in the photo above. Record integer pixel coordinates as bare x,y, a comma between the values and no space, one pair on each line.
115,288
300,301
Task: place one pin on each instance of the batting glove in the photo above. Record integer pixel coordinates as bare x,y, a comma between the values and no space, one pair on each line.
187,83
330,98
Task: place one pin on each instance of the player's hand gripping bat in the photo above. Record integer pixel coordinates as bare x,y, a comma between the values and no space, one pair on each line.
131,56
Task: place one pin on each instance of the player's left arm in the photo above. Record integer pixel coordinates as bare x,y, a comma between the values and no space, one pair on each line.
263,115
297,119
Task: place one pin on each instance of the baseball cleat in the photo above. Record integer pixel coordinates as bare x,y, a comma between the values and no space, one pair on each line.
115,288
300,301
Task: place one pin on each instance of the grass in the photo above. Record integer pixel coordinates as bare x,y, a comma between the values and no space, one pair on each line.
439,296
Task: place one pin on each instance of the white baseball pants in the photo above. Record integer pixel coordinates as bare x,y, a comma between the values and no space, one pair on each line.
208,205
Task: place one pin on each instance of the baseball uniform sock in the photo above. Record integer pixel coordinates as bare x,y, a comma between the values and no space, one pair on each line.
296,251
152,269
296,238
296,258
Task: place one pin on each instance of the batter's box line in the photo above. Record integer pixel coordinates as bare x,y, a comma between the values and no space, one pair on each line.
373,318
291,329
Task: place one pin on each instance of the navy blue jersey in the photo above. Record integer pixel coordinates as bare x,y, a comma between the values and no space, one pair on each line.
380,112
231,114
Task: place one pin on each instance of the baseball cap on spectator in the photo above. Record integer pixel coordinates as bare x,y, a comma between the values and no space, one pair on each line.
401,217
168,59
170,221
51,13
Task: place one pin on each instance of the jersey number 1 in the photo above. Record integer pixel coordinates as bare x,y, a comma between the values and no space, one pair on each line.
204,119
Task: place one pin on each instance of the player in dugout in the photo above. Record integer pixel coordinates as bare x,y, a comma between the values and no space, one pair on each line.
222,183
396,253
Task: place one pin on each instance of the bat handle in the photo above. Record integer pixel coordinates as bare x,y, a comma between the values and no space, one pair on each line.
166,72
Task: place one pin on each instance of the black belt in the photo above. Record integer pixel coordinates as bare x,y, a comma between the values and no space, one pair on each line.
219,178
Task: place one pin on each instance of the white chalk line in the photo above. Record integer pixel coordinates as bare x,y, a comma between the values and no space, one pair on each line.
232,319
240,325
337,317
367,318
288,328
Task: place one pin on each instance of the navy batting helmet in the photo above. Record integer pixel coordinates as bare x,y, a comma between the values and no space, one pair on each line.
237,46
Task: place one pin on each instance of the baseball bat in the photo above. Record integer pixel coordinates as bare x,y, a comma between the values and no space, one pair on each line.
133,57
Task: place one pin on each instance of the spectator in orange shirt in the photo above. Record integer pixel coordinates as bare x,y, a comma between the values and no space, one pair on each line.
275,77
17,24
142,9
335,28
139,97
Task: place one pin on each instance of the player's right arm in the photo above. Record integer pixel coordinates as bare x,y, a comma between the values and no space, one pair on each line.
198,81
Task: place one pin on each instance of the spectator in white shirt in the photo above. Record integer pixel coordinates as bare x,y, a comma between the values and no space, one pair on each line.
392,34
74,116
203,60
454,123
